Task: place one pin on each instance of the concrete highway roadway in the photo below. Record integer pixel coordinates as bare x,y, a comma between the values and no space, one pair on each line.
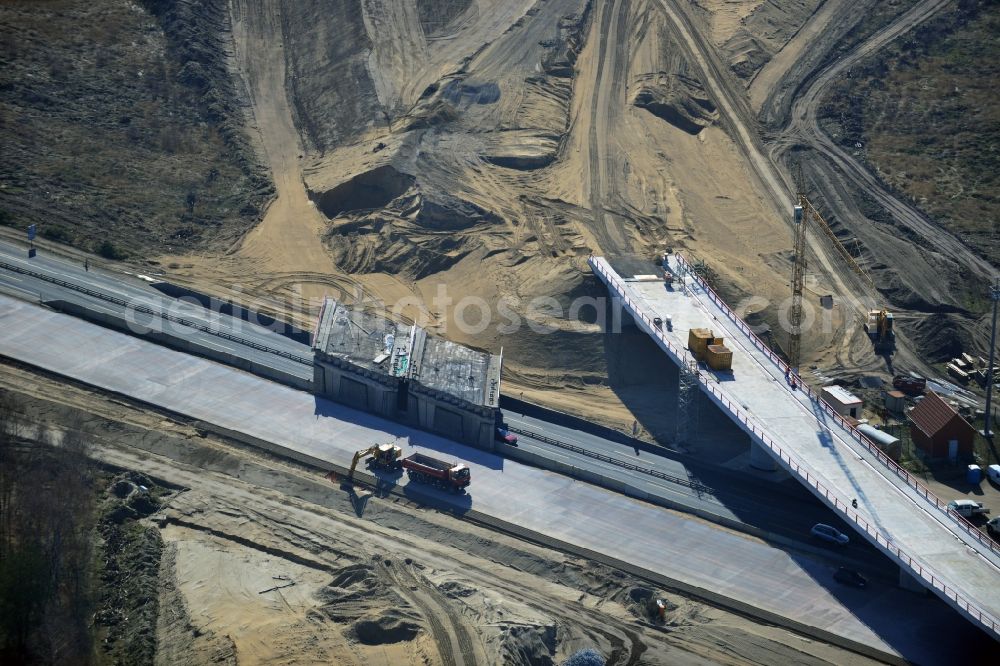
693,553
733,499
210,329
782,509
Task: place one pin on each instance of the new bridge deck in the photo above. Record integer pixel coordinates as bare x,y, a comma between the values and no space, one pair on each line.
895,513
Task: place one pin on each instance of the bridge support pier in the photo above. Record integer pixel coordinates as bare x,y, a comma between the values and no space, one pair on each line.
909,582
760,458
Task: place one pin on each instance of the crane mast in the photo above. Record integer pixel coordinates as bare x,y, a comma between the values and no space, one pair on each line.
798,278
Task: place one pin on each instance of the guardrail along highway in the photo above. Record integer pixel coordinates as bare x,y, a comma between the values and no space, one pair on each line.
803,435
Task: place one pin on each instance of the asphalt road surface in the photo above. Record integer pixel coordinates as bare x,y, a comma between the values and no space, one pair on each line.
45,278
787,583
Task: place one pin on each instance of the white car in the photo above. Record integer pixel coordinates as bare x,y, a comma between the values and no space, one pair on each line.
831,534
993,527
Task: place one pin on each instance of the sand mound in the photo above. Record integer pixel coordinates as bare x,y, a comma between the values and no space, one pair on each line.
523,149
366,191
352,593
465,94
351,582
528,644
939,336
676,98
455,589
388,628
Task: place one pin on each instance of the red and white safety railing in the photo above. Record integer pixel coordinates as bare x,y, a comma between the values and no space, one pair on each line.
794,465
888,462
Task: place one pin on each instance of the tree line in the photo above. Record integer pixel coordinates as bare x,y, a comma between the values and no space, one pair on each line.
47,518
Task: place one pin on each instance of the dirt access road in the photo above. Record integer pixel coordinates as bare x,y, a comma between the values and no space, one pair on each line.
487,148
605,112
268,563
921,268
804,127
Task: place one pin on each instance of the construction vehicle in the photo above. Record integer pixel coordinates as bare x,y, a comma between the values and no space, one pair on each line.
879,329
909,385
425,469
383,456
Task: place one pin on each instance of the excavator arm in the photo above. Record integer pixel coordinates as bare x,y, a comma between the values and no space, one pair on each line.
384,455
358,455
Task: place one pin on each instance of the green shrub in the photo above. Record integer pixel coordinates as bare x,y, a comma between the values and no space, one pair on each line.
57,234
109,250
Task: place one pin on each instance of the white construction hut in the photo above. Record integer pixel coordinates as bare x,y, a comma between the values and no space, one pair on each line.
843,401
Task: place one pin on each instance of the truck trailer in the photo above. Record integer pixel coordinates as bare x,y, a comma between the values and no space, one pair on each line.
425,469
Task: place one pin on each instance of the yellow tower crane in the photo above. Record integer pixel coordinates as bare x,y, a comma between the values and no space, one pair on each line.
804,213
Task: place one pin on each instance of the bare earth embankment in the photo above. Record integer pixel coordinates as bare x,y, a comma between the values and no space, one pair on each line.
265,562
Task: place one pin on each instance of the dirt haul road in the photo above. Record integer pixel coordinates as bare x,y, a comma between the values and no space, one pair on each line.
804,128
265,562
921,268
486,148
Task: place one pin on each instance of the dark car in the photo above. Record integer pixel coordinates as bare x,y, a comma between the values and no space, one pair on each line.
507,437
850,577
829,534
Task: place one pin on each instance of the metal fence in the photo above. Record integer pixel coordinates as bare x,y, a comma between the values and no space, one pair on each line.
886,461
128,304
794,465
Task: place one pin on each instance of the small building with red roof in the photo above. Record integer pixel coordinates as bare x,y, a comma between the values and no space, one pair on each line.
939,431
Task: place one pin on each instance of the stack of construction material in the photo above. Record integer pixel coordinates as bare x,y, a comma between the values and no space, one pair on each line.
979,369
719,357
698,341
708,348
965,367
956,371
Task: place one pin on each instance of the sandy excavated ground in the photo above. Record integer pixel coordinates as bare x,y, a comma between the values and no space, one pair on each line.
488,156
265,562
486,148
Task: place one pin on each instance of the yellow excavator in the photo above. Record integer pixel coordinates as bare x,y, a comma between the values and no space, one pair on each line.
879,329
383,456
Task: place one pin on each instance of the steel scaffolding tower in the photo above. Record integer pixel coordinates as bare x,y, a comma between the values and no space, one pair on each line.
687,400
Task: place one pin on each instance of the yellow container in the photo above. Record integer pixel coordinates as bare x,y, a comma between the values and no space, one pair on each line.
719,357
698,340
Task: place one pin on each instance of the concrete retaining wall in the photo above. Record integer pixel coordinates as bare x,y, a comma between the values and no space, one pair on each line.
575,422
516,406
234,310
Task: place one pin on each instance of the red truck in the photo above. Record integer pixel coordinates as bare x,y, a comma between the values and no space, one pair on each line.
423,468
909,385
